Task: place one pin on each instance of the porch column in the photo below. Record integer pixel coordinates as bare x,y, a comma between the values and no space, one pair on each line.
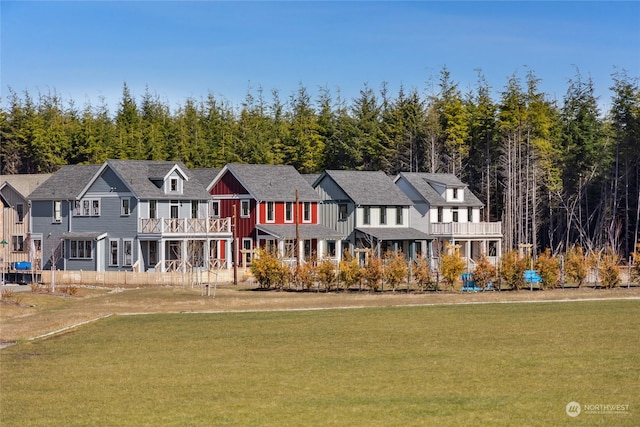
320,248
183,254
162,256
339,250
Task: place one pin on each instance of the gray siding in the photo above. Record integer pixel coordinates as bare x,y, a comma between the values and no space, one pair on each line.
42,223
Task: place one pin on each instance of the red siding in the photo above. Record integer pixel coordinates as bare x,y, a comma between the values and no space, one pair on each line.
228,184
280,210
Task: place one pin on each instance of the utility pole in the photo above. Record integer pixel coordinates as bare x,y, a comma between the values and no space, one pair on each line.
234,225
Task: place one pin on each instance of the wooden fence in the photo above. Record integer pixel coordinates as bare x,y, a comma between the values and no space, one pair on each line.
134,279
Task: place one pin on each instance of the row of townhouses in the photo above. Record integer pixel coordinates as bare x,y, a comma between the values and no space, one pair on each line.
162,216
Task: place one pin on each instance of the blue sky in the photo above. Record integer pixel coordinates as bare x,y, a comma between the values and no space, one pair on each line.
85,50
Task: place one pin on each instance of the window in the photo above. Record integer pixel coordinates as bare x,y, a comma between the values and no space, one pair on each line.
215,209
127,249
439,214
331,248
57,211
125,207
114,251
153,208
270,212
366,215
454,215
288,212
399,219
270,246
455,194
383,215
87,207
173,184
81,249
289,248
470,214
194,209
244,208
342,212
17,243
20,211
175,208
306,213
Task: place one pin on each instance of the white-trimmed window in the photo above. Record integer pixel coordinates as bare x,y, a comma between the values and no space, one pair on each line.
289,248
399,218
247,245
173,185
125,206
288,212
57,211
17,243
469,214
81,249
330,250
306,212
366,215
194,209
87,207
127,251
245,208
271,214
20,212
153,208
454,215
383,215
455,194
114,252
342,212
153,252
215,209
440,214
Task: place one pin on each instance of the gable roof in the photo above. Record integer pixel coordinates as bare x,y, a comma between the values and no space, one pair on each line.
373,188
71,181
422,183
23,184
272,182
138,176
66,184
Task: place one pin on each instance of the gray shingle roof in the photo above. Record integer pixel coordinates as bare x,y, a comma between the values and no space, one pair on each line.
307,231
69,181
24,184
273,182
138,174
373,188
394,233
66,183
205,175
421,182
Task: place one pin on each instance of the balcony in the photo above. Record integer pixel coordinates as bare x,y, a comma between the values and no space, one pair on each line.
467,229
184,226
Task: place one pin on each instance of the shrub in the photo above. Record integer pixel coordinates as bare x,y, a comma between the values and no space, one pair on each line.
350,271
326,274
423,274
608,269
372,272
451,266
549,269
267,269
575,265
69,290
396,269
484,273
512,269
305,275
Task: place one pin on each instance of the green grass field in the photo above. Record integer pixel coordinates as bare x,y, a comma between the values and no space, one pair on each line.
492,364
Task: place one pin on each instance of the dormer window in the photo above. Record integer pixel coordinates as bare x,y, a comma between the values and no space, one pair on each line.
455,194
173,185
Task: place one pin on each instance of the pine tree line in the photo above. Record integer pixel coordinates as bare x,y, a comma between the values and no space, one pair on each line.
555,174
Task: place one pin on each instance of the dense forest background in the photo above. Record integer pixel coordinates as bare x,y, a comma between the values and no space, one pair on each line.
555,173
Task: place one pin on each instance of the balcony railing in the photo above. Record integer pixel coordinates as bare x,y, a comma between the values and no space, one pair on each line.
467,229
187,226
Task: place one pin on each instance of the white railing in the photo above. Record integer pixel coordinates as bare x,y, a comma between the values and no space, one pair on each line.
464,229
184,225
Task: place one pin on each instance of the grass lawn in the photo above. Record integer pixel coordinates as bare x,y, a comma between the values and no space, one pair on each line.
492,364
